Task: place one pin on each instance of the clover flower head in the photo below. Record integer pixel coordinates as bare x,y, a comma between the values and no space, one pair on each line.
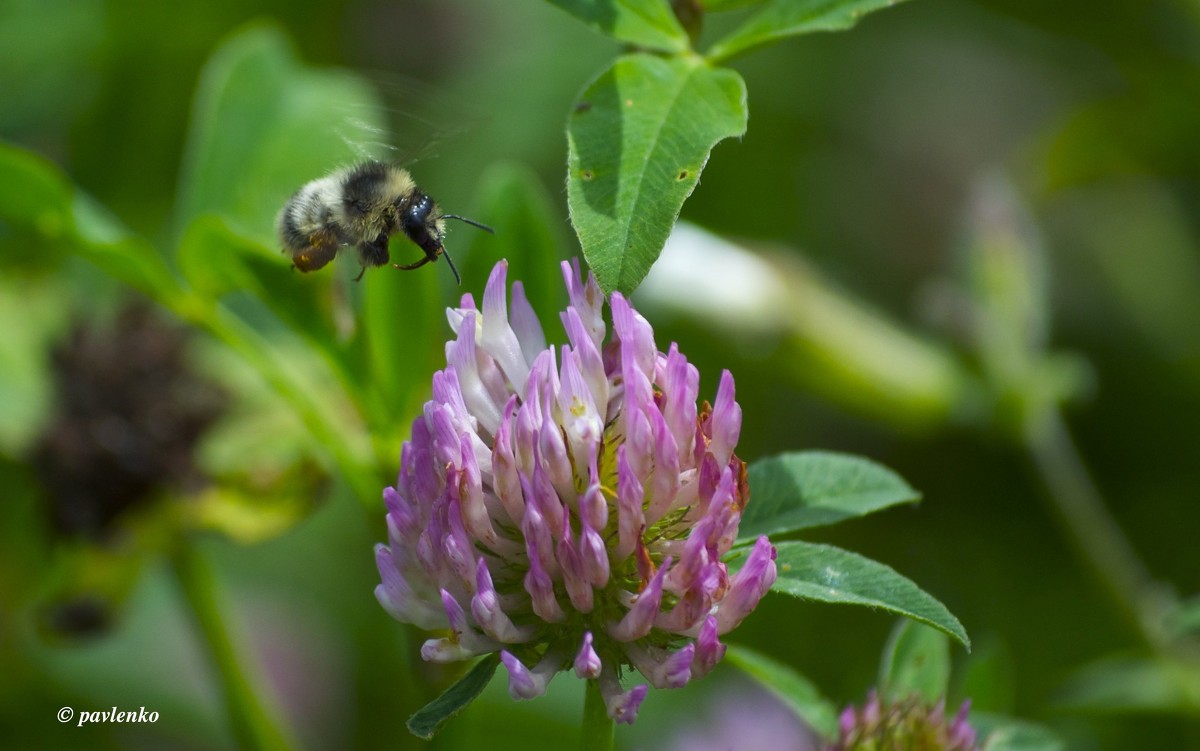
910,724
569,508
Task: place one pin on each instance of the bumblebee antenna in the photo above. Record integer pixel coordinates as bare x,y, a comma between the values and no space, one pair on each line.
471,222
457,279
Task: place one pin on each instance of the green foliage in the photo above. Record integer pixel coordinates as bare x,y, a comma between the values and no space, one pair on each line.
1005,278
916,661
1133,684
825,573
915,669
37,198
515,204
714,6
1147,127
217,262
215,259
56,45
403,320
988,677
780,19
1007,734
453,700
796,691
1185,619
797,491
642,132
809,489
645,23
22,545
638,138
350,363
26,389
263,125
32,194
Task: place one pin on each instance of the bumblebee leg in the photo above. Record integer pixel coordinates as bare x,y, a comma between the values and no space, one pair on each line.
411,266
373,253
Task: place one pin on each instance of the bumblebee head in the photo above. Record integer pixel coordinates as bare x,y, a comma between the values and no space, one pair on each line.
422,223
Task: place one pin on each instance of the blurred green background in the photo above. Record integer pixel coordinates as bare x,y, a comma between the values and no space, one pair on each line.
863,160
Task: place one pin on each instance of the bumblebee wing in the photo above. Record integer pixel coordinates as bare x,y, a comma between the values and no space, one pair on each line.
320,249
403,112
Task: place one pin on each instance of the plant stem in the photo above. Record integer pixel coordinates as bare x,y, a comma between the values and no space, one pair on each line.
597,725
1096,536
254,726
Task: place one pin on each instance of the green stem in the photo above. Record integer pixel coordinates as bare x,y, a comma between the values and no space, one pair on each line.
254,726
1096,536
597,725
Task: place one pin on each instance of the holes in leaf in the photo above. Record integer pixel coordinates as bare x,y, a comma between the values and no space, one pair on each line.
586,174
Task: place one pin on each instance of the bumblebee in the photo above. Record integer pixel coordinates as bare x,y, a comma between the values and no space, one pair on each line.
363,206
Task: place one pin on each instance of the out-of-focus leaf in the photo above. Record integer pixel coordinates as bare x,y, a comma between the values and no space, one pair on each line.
23,544
212,258
828,574
713,6
261,505
263,125
796,691
404,315
988,677
260,488
513,201
86,586
916,660
645,23
1006,734
785,18
36,197
1185,619
49,70
1149,129
816,488
1005,278
126,258
404,318
43,308
33,192
405,330
453,700
37,227
216,261
638,139
834,344
1133,685
1004,266
1155,287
